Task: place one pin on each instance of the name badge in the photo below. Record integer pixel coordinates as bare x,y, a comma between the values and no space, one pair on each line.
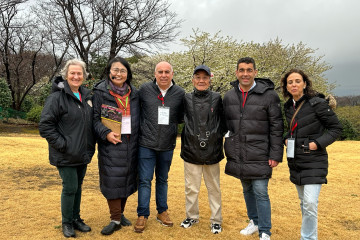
290,148
163,115
126,125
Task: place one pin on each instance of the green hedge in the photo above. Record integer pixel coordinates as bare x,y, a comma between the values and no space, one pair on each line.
34,114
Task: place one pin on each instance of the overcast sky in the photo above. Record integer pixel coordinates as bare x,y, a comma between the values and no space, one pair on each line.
331,26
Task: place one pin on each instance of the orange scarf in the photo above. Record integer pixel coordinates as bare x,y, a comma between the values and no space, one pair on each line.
123,102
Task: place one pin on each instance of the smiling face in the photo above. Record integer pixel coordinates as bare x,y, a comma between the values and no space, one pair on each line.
75,77
246,74
118,74
201,80
164,74
295,85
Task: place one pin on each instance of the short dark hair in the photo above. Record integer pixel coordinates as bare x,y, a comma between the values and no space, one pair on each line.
246,60
123,62
309,91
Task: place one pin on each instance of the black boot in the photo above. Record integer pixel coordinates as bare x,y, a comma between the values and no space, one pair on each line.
68,230
124,221
111,228
81,226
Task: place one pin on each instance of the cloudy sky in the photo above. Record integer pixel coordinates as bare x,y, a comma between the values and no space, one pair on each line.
331,26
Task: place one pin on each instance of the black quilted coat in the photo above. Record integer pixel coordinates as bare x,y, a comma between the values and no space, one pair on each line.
255,130
117,163
316,122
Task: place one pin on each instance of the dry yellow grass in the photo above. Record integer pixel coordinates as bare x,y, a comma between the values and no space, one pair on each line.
30,199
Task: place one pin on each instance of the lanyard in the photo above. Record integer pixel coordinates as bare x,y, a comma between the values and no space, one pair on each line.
161,99
244,99
126,103
293,126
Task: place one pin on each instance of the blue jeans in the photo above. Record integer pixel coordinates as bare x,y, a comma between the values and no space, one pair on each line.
72,179
309,199
258,203
150,161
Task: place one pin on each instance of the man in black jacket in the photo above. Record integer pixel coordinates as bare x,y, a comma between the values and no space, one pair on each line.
202,148
161,111
253,145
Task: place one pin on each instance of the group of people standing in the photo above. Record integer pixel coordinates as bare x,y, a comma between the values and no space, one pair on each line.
249,117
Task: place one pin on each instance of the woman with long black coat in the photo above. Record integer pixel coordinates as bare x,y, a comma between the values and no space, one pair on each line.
312,127
117,157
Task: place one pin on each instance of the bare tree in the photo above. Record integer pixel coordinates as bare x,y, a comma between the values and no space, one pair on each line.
108,27
22,63
74,21
135,25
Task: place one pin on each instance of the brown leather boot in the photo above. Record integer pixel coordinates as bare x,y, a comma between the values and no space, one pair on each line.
140,224
164,219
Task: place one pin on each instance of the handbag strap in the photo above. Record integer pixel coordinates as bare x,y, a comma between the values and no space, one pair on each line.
295,113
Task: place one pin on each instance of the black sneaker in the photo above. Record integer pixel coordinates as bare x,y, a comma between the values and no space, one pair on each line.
81,226
68,230
111,228
216,228
188,222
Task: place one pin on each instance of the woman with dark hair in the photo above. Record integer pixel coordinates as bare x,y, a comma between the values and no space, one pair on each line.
66,123
312,127
117,154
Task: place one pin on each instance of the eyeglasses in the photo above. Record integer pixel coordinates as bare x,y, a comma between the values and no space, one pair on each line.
117,71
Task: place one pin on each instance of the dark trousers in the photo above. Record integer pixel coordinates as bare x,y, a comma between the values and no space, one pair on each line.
116,207
72,179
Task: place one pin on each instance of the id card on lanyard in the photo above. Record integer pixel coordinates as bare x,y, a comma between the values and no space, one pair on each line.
126,119
290,148
126,125
163,112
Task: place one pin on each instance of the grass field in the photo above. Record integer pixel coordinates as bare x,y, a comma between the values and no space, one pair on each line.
31,187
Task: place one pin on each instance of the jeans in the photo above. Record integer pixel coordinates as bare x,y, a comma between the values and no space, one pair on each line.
72,179
258,203
309,199
150,161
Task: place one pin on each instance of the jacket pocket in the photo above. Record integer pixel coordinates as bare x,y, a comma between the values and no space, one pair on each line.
231,147
257,148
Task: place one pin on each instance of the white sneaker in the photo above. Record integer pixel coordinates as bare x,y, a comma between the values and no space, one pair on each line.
250,229
188,222
216,228
264,236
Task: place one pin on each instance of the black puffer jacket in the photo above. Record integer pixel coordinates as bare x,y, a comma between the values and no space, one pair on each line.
152,135
117,163
316,122
190,148
255,131
66,123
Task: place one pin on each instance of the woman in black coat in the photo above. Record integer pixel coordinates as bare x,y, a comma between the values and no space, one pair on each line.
312,127
117,154
66,123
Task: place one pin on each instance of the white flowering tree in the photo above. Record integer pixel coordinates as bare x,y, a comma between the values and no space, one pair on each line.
221,54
